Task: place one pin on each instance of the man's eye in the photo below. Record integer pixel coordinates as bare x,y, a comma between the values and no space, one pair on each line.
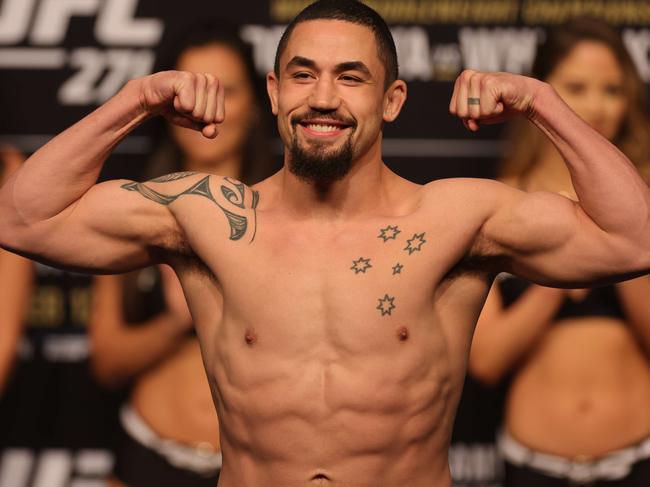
301,75
348,77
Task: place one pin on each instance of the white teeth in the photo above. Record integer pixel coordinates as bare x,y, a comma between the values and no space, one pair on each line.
322,128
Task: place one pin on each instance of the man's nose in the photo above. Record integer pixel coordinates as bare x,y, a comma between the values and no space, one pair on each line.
324,96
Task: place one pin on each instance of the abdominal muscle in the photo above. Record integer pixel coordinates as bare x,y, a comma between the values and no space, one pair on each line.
327,417
583,392
174,399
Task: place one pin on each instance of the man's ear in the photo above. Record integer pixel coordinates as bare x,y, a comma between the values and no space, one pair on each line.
394,99
272,89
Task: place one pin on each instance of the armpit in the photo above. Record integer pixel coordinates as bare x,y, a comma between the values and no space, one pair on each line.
180,255
483,259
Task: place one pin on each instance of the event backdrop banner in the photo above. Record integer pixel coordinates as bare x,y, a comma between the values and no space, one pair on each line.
61,58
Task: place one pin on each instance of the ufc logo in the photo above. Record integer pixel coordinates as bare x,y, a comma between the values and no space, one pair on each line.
49,20
98,72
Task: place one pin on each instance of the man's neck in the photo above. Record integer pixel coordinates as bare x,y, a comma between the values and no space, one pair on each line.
361,192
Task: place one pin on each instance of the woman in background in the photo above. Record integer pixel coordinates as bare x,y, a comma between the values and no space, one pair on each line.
578,407
141,327
15,284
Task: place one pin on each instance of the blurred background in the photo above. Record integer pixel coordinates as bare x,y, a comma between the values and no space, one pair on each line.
59,59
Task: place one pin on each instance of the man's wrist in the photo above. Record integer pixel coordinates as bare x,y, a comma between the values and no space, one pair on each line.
543,96
132,94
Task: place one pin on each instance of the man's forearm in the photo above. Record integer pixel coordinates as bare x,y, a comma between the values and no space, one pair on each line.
609,188
65,168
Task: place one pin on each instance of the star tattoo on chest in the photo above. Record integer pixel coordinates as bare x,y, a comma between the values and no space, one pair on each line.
386,305
389,233
415,243
360,265
397,268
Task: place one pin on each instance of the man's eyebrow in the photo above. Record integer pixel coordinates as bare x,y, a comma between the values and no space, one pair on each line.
304,62
353,66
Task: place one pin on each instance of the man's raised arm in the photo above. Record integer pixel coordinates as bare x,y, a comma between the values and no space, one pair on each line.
546,237
52,210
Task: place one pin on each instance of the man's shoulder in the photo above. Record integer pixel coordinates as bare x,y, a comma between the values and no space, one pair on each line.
212,186
463,184
469,193
182,178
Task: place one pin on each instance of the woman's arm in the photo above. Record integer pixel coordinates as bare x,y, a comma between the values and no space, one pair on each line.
635,300
504,336
16,286
121,351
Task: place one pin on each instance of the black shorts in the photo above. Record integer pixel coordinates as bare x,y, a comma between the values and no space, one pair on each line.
138,466
521,476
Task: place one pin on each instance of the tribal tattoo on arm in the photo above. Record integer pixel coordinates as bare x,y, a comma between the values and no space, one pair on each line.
234,194
173,176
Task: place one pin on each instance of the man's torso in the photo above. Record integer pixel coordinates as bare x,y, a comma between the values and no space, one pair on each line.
333,347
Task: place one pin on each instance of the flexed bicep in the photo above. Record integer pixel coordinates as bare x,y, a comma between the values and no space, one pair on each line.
235,200
52,210
107,230
549,239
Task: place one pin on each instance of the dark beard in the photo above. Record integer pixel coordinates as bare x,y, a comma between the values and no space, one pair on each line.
319,165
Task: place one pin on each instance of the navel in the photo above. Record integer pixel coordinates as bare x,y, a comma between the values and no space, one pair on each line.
250,336
320,480
402,333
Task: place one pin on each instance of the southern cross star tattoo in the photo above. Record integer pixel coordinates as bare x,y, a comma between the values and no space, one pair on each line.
389,233
386,305
415,243
360,265
397,268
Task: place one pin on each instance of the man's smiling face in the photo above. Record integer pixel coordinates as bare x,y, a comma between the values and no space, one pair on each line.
329,98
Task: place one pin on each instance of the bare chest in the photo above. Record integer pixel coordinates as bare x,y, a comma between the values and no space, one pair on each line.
357,285
334,313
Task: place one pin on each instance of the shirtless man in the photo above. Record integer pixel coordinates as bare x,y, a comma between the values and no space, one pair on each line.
335,301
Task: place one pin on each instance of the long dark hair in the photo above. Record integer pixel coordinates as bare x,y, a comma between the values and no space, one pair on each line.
257,161
633,135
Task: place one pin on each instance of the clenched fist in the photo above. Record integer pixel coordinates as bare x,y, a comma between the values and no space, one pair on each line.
191,100
492,97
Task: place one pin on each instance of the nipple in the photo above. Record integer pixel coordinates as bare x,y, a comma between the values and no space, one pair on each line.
402,333
250,336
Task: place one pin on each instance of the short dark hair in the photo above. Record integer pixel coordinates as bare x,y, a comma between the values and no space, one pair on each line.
354,12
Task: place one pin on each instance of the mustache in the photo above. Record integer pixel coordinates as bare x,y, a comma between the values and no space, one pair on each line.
314,115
